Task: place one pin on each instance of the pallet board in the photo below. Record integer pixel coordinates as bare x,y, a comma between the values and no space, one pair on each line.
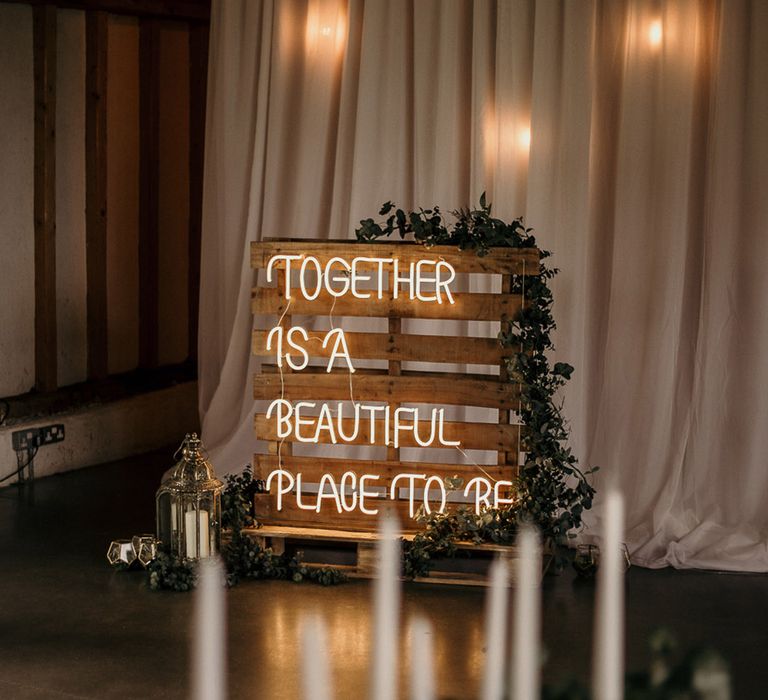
354,553
398,386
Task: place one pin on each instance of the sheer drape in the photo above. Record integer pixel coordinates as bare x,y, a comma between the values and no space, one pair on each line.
646,174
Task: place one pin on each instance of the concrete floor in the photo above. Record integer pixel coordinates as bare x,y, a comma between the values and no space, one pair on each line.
70,627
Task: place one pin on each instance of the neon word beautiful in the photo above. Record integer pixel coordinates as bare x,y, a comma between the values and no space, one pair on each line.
292,421
349,275
353,491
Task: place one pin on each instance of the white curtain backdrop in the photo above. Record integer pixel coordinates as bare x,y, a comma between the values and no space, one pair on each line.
646,174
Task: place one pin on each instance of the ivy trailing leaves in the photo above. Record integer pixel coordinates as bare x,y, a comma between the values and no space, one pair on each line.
552,492
243,557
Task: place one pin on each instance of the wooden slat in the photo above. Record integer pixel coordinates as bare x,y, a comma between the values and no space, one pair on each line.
498,261
44,49
292,532
489,393
198,75
472,436
149,186
96,191
313,468
400,346
477,307
268,367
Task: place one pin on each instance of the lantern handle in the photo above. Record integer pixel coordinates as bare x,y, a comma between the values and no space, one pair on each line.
191,436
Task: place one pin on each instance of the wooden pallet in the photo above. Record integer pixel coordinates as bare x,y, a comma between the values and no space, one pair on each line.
354,552
396,384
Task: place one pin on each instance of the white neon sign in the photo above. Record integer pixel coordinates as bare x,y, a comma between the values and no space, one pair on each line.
293,421
416,278
426,281
350,493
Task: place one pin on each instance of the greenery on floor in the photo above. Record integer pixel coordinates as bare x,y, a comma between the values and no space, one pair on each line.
243,557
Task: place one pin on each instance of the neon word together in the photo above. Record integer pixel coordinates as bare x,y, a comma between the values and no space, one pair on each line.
339,277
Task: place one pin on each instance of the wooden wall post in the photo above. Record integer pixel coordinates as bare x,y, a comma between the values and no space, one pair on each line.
149,183
44,48
198,77
96,191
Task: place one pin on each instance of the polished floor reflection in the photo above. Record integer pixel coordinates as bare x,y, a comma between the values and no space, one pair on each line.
72,628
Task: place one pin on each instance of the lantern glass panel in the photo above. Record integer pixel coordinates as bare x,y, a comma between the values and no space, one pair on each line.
189,505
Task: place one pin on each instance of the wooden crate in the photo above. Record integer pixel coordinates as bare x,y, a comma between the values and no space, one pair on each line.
394,384
354,552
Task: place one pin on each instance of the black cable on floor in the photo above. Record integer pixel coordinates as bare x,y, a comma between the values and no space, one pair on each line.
22,467
5,411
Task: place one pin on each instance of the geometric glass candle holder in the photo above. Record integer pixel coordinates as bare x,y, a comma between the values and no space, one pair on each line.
586,561
145,547
121,554
189,505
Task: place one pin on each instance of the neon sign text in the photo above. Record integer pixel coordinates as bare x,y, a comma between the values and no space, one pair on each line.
339,277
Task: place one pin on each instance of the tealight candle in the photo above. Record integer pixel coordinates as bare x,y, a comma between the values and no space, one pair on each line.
496,631
386,611
209,638
608,657
524,681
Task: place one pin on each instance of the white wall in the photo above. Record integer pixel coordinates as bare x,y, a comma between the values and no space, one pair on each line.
110,431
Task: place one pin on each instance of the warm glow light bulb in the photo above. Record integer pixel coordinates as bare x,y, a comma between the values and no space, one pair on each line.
326,27
524,138
655,33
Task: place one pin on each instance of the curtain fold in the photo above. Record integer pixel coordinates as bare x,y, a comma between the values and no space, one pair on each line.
632,137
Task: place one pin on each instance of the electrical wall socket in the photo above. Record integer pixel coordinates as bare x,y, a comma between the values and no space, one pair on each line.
30,438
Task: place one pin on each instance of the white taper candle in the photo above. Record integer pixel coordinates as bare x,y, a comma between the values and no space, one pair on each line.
608,653
209,636
386,611
496,630
314,660
525,679
422,664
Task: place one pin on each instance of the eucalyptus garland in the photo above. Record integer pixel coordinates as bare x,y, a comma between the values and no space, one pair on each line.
243,557
552,492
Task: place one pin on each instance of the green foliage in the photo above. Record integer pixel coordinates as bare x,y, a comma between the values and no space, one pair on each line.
171,573
237,499
669,675
243,556
246,559
553,492
444,530
472,230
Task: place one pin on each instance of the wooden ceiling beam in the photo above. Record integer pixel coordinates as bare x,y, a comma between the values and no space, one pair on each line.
187,10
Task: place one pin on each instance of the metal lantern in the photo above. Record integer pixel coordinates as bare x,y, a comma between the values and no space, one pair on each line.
189,505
